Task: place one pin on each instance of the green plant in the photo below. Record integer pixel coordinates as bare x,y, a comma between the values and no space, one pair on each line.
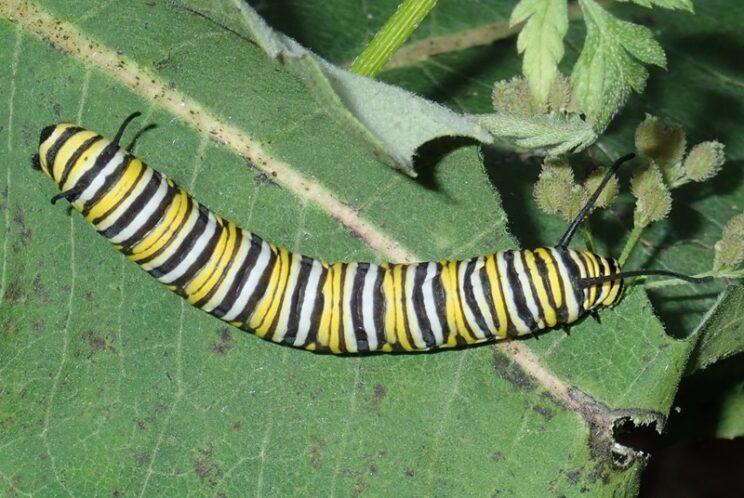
109,384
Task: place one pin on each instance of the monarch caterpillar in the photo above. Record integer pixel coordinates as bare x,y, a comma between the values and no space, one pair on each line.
307,303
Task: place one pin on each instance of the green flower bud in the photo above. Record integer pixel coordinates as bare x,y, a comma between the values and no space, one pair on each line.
556,192
654,200
730,249
514,97
609,192
704,161
662,142
560,95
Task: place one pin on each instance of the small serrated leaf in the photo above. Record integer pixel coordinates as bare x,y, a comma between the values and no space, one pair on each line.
666,4
541,41
608,68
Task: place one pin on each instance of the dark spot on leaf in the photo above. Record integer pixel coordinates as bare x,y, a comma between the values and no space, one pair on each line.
359,486
511,372
546,412
410,472
224,343
208,471
573,476
497,456
142,459
57,110
237,425
97,342
373,470
316,446
14,291
353,233
378,394
40,291
29,135
25,231
263,179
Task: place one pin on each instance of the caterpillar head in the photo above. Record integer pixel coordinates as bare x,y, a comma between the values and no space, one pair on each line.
598,281
57,156
588,266
66,150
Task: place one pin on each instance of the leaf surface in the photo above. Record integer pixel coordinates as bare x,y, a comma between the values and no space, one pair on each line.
110,383
720,332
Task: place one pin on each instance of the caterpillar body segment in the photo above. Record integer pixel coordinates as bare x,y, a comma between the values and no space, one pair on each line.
303,302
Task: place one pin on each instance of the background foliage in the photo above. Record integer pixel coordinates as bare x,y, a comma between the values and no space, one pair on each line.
110,384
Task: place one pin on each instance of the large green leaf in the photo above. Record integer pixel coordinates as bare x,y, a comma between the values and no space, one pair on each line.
108,383
720,332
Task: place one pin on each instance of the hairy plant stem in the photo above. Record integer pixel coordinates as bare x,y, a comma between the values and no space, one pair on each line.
391,36
633,238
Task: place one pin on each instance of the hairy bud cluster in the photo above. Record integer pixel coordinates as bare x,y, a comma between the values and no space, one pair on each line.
515,97
730,249
704,161
653,198
557,192
664,144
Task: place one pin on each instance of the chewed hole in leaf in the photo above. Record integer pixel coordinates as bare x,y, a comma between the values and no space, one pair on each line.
634,439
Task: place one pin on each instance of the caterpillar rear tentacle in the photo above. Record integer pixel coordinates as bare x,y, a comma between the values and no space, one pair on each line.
307,303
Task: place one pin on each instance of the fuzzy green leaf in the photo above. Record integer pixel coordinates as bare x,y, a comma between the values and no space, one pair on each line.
558,133
721,334
667,4
608,69
541,41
